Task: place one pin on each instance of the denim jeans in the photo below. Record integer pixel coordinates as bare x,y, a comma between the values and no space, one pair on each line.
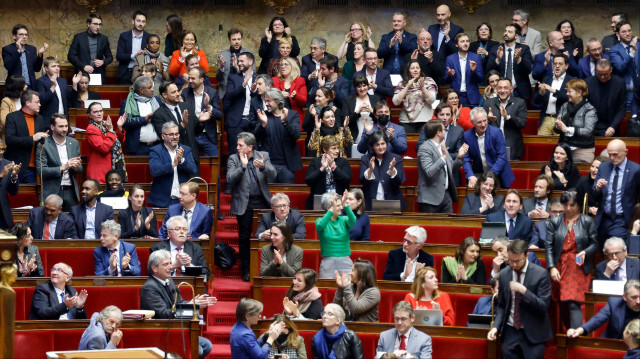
207,147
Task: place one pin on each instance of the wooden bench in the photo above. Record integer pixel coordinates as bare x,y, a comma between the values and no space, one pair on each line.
589,348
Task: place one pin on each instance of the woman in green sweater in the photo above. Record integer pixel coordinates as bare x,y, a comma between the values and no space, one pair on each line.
333,232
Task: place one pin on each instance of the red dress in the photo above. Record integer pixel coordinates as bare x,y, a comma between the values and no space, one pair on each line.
98,151
573,280
300,99
448,316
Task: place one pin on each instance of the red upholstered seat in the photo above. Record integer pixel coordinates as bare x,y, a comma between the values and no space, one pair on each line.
156,338
452,348
22,199
598,332
124,298
80,259
589,353
33,344
463,305
69,339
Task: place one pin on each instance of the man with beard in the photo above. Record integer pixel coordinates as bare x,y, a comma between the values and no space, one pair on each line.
90,214
237,99
379,79
608,95
199,99
103,332
539,205
443,32
22,59
543,62
382,122
431,62
552,94
624,58
228,59
513,61
509,114
464,72
610,40
130,45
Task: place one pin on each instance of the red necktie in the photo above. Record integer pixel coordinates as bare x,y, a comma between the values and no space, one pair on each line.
517,321
179,269
113,251
46,230
403,343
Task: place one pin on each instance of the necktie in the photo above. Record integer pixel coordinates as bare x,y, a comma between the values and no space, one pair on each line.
46,231
68,313
178,116
168,290
540,205
179,269
403,342
614,195
517,321
509,73
616,274
628,48
511,227
113,251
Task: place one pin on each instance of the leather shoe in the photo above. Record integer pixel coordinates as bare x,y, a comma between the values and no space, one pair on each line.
245,277
220,217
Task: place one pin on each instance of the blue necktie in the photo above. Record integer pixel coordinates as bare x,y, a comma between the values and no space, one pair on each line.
511,227
68,313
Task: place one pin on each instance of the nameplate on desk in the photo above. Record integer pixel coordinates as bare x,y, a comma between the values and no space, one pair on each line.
611,287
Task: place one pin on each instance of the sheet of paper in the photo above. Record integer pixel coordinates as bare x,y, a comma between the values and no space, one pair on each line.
95,79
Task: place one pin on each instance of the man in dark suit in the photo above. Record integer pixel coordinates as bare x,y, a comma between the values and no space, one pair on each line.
278,132
517,225
170,164
379,79
588,64
237,99
176,111
200,98
623,58
401,339
495,151
131,44
311,62
551,94
509,114
381,121
159,291
49,222
616,187
90,50
199,216
184,253
403,263
443,32
612,39
281,211
436,188
8,186
53,90
431,62
468,90
90,214
543,62
247,174
618,266
524,324
115,257
328,77
228,59
58,173
396,45
263,83
139,107
608,95
56,299
617,313
13,56
21,139
539,205
513,61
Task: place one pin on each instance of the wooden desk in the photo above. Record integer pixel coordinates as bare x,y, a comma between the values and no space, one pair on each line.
616,347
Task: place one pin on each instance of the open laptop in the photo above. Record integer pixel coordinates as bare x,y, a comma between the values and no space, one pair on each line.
490,230
317,202
386,205
428,316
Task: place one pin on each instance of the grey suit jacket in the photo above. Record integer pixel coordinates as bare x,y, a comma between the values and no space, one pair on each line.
418,343
94,337
222,75
529,204
292,263
50,165
238,179
533,40
431,175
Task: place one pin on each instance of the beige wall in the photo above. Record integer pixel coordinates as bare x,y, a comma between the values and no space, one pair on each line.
56,21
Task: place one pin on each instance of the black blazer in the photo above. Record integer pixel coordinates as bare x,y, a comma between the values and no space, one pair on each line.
448,48
233,101
154,296
128,223
633,269
11,59
397,259
434,69
193,250
472,204
349,109
19,142
269,50
383,81
7,187
316,179
308,66
288,142
521,70
49,100
517,109
65,227
586,235
79,55
187,135
216,114
103,213
617,102
478,277
391,186
123,51
45,305
542,102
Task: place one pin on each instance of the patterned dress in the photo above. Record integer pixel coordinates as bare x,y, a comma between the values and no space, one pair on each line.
574,282
343,137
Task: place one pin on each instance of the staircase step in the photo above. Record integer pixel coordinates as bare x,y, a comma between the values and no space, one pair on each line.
220,351
230,289
218,334
222,314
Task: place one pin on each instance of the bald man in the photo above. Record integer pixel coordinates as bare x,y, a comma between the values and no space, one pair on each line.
616,188
543,62
444,32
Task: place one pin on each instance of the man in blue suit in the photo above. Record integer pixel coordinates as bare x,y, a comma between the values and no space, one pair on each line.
170,164
53,90
618,312
402,263
115,257
589,63
90,214
200,98
495,151
199,216
131,44
139,107
543,62
379,79
237,99
623,57
616,187
56,299
88,58
618,267
19,53
551,94
513,61
49,222
382,122
328,77
443,32
517,224
468,90
484,305
396,45
102,332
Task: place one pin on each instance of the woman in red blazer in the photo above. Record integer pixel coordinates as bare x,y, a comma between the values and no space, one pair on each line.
293,87
104,145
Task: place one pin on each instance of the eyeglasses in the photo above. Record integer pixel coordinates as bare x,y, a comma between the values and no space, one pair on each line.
409,242
354,30
328,314
557,212
58,270
179,229
172,134
483,29
516,261
617,254
280,206
400,319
